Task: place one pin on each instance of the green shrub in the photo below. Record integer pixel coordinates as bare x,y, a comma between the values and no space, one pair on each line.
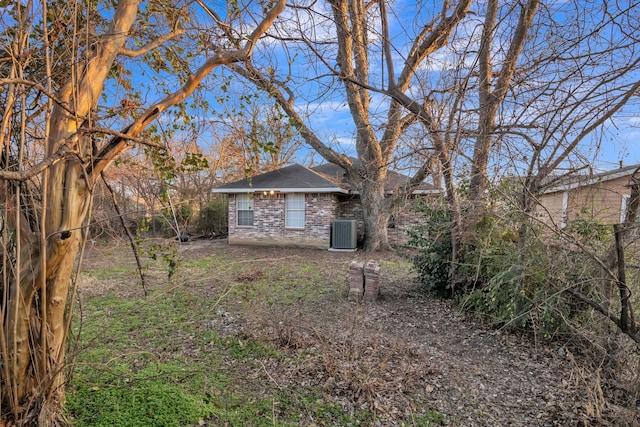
510,283
213,217
521,297
477,261
433,240
522,284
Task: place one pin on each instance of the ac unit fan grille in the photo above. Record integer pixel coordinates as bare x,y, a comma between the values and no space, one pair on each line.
344,234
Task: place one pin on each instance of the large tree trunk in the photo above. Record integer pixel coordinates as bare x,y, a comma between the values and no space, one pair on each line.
36,321
352,66
491,94
36,326
376,215
37,284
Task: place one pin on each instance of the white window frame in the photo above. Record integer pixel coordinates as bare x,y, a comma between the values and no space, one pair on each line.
623,209
294,217
244,203
564,214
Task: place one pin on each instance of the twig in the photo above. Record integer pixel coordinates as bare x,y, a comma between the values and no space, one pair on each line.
264,368
634,335
127,232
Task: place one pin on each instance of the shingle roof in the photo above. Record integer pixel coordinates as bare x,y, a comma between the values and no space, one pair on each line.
327,177
571,181
294,178
394,179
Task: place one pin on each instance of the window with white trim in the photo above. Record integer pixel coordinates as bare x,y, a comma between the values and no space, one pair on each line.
564,214
294,212
244,210
626,198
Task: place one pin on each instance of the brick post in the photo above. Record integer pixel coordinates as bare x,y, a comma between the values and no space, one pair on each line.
371,281
356,281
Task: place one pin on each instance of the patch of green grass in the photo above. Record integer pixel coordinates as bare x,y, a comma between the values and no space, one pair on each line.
129,371
116,271
321,412
283,409
172,359
249,349
288,284
219,263
150,397
395,270
430,418
109,302
238,410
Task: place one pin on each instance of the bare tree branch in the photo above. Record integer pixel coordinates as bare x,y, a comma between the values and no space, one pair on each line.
633,334
62,104
134,53
265,84
132,243
24,175
117,145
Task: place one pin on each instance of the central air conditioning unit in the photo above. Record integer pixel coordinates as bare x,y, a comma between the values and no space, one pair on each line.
344,234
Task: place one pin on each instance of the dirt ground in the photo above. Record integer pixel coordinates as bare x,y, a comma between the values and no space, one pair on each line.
408,344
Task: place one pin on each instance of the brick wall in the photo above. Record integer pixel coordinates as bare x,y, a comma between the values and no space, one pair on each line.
405,217
269,222
403,220
320,211
349,207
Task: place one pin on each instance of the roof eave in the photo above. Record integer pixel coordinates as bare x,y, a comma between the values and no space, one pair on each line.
280,190
595,179
433,191
417,192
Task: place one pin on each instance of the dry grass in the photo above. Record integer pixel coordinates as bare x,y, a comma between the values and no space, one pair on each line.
358,368
291,343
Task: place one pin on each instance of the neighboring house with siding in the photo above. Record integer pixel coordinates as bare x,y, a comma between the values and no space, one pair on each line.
600,197
297,206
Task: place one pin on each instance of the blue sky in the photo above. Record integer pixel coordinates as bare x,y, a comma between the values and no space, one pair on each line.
328,113
331,119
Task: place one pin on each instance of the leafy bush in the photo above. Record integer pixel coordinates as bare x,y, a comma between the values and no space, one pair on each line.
487,255
433,240
510,283
213,217
522,296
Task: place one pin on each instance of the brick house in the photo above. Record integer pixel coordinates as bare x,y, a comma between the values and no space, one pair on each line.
600,197
298,206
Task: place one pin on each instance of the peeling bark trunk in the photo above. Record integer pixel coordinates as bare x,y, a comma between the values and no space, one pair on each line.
36,372
39,295
36,357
